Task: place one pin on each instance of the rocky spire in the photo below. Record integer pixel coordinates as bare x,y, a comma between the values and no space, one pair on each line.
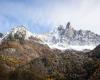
60,28
68,25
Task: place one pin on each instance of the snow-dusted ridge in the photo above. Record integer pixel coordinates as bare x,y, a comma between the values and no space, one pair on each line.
22,30
60,38
19,30
66,37
72,47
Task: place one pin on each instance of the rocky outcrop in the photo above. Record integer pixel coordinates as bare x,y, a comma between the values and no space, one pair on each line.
1,35
69,36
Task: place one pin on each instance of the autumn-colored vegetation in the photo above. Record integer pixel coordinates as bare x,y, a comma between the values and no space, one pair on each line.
29,60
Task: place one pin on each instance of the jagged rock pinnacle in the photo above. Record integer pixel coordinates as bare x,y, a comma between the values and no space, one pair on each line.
68,25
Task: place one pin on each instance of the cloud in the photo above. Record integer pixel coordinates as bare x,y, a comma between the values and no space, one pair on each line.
46,14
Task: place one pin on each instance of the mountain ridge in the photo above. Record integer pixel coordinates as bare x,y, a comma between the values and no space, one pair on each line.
65,36
61,37
29,58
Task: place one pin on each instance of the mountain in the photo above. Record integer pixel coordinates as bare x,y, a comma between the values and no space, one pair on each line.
63,37
19,46
67,37
26,56
18,32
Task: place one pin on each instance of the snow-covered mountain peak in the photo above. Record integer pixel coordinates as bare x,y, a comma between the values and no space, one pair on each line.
18,33
64,36
68,26
21,31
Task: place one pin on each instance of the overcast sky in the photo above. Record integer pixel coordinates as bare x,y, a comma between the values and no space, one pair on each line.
43,15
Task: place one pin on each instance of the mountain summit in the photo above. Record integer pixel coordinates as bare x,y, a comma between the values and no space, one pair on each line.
68,37
63,37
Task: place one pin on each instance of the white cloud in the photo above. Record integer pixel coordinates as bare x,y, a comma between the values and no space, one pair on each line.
84,14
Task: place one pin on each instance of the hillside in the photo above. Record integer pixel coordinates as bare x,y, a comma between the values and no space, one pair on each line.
28,58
